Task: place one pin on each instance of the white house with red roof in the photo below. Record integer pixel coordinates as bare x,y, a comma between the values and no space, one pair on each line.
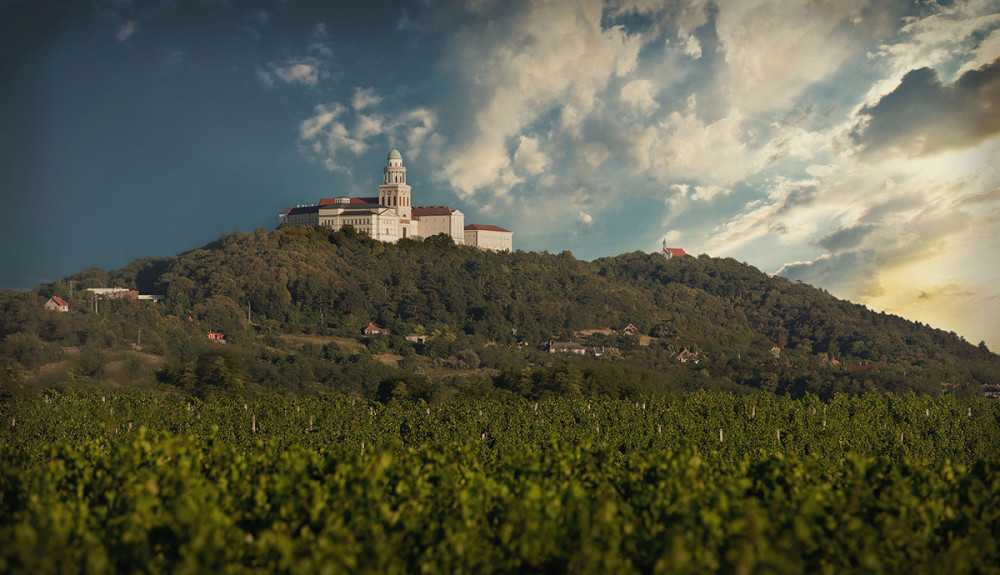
57,303
389,217
373,329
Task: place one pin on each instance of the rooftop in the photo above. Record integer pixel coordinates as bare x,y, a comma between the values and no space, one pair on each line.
419,211
485,228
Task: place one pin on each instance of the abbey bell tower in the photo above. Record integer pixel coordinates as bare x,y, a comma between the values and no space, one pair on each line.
394,192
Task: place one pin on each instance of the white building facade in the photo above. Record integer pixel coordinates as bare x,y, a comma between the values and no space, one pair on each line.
436,220
486,237
390,217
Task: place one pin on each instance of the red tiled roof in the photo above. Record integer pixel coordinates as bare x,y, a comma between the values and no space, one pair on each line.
372,328
420,211
485,228
59,300
675,251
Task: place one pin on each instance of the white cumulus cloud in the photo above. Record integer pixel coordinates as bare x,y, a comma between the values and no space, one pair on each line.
542,57
301,73
639,95
365,98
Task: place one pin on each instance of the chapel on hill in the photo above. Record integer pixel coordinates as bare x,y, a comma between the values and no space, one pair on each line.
390,216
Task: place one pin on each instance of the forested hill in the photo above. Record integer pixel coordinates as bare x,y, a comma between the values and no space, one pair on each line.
747,330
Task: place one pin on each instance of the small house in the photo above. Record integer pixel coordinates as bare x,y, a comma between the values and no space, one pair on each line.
570,347
57,303
373,329
217,337
627,330
685,356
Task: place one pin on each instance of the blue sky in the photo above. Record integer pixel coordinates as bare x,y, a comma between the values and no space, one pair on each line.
849,144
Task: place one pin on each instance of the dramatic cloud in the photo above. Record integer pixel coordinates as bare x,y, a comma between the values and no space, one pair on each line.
336,134
846,238
856,139
684,146
529,158
775,50
639,95
325,136
692,47
522,65
924,116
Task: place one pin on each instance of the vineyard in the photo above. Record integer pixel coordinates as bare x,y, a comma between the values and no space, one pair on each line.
130,481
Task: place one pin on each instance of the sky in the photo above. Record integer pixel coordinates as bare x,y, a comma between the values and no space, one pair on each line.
852,145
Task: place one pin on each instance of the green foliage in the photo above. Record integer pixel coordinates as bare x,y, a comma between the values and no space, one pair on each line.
130,481
490,311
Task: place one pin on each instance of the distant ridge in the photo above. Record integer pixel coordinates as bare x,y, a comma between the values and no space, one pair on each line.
751,331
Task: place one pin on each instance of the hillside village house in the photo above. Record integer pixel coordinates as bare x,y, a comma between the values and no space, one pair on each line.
57,303
125,293
390,217
373,329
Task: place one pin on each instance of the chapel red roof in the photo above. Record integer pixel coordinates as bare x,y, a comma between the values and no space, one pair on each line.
59,300
675,251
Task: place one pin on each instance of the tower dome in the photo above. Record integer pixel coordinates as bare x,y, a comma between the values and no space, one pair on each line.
394,155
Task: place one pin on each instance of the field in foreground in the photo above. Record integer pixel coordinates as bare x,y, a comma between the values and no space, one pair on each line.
138,481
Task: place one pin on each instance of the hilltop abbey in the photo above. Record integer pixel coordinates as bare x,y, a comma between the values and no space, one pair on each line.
390,216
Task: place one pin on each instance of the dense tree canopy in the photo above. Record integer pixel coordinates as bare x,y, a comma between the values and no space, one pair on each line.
485,315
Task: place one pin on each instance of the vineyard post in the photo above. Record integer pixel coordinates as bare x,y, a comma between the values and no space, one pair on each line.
720,435
777,433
